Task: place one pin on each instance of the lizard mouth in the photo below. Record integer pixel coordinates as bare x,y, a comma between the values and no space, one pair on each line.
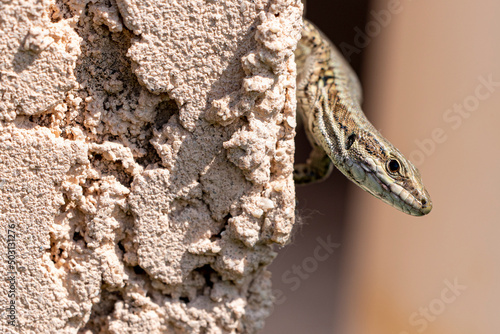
374,180
416,203
407,202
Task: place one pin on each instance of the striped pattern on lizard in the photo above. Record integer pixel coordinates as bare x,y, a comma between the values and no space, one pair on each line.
329,102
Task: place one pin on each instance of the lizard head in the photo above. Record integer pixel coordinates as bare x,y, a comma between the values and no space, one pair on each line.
373,163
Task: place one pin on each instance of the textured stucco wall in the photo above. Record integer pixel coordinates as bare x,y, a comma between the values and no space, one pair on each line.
146,152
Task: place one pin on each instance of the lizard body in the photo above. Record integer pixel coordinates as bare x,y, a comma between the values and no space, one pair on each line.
329,102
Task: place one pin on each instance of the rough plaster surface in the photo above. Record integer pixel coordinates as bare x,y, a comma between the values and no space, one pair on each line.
146,153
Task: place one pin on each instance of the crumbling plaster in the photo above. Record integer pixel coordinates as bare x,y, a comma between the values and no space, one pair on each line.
146,157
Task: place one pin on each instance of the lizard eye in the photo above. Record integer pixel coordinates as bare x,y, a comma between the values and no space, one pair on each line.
393,166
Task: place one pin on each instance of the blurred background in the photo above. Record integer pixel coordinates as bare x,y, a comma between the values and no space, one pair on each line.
431,78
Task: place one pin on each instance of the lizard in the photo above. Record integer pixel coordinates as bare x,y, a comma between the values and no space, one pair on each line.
329,101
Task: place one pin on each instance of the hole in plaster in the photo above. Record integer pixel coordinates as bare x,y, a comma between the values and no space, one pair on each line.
218,236
139,271
77,236
206,271
164,111
120,246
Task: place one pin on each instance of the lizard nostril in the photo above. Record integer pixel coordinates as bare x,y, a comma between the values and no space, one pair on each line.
424,202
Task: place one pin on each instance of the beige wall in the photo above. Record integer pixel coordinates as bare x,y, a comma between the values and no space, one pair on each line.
432,58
